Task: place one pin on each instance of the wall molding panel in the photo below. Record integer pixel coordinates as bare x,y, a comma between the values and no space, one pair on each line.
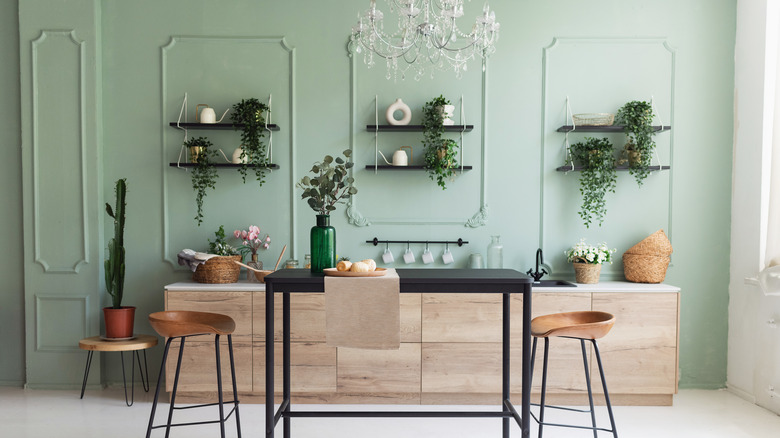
54,318
53,221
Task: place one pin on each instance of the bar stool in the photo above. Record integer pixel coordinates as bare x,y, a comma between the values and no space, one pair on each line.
587,325
183,324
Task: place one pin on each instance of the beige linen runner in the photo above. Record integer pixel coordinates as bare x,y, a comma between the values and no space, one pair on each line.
363,312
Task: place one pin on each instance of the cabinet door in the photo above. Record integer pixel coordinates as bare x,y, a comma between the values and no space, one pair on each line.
640,352
198,367
312,368
455,367
237,305
379,371
565,370
461,317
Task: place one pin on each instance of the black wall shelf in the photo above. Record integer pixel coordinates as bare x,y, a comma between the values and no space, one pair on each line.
416,128
612,128
190,125
387,167
233,165
618,168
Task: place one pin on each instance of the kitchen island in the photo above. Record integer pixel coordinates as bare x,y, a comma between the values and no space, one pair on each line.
450,347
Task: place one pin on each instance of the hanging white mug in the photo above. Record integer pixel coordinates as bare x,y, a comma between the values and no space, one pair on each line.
447,257
387,257
409,256
427,257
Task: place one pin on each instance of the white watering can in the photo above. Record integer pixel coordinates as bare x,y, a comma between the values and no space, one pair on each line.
399,156
207,114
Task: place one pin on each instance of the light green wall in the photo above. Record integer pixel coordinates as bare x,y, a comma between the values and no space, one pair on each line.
12,289
684,57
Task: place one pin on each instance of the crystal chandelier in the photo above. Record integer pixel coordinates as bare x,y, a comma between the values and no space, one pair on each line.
427,37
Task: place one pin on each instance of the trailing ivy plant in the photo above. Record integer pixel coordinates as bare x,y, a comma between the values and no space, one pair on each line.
637,119
598,176
249,112
204,174
439,153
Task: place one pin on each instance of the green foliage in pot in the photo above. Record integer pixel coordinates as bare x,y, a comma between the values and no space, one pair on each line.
637,118
204,174
249,112
115,263
598,176
220,246
331,184
439,153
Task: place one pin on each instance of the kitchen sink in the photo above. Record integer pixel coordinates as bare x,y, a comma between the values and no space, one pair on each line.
553,283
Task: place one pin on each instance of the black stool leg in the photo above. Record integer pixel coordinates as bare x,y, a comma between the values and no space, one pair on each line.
544,385
175,385
132,378
533,358
145,383
235,388
86,372
219,389
604,384
157,391
590,392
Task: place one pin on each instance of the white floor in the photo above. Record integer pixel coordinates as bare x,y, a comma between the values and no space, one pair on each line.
102,413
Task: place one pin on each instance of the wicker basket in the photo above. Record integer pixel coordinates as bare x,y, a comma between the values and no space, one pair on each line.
593,119
656,244
642,268
586,273
220,269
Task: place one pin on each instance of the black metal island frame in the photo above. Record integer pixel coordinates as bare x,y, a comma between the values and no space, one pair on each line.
504,281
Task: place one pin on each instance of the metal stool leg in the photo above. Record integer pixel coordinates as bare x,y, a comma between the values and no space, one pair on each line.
604,385
175,385
590,391
132,378
219,389
157,391
145,383
86,372
235,388
544,385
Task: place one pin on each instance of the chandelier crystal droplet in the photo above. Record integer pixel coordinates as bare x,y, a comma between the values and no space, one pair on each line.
427,37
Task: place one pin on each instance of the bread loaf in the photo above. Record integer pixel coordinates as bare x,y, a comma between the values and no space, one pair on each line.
344,265
371,264
359,267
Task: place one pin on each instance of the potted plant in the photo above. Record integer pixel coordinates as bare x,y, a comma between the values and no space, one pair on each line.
439,153
637,119
598,176
331,185
204,174
251,242
587,260
118,319
249,112
221,266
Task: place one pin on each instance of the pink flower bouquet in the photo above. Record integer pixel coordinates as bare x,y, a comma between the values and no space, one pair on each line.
252,241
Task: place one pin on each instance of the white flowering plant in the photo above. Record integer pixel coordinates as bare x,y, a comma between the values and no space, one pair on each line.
584,253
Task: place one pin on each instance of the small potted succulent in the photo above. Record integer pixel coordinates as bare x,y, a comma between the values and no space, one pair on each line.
587,261
331,185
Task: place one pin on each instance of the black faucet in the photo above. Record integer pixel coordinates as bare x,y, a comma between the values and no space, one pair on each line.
537,275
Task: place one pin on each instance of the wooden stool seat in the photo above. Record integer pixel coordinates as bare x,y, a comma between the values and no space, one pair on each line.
581,325
176,323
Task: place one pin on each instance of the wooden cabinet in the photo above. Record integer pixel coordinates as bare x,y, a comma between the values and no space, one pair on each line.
450,348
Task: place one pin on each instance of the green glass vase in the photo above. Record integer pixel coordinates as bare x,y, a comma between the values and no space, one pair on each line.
323,245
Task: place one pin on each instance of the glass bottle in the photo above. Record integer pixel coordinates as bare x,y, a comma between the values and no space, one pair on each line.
307,261
291,264
495,253
250,275
323,244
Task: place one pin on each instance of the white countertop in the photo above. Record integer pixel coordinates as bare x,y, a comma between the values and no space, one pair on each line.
604,286
241,286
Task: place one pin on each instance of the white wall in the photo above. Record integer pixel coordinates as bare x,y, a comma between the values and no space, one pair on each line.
754,342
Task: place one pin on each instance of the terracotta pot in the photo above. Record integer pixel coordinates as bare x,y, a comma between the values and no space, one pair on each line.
119,322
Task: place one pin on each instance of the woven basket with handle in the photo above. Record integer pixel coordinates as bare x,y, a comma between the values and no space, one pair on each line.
587,273
220,269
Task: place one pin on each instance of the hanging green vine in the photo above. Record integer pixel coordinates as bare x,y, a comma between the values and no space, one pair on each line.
439,153
637,118
598,176
204,174
249,112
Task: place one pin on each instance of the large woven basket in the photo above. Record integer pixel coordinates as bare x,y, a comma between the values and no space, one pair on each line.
587,273
643,268
220,269
655,244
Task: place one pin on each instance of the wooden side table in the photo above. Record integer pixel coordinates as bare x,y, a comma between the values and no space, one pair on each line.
139,342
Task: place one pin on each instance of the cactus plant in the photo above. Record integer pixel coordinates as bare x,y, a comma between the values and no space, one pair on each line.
115,264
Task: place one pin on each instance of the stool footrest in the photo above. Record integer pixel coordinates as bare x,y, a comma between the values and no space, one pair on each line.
197,422
205,405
